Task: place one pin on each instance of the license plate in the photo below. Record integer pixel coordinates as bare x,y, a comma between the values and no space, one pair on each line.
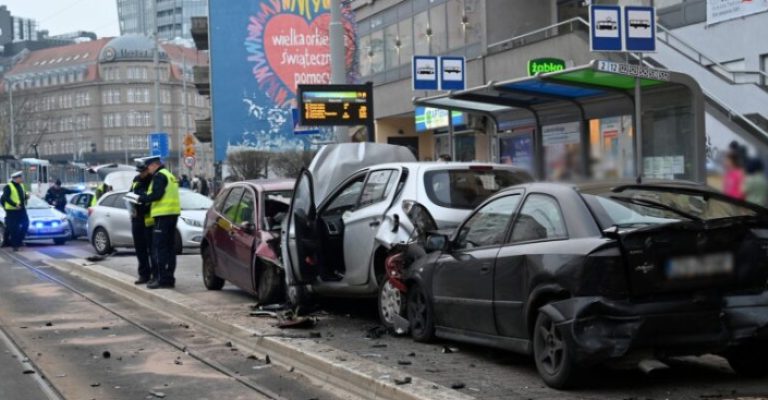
700,266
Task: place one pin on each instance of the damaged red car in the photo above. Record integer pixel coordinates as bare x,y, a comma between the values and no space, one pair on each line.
241,238
578,275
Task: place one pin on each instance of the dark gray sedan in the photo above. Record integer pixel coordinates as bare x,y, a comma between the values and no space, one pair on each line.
582,274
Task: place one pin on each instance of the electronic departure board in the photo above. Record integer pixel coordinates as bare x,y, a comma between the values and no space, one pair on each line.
329,105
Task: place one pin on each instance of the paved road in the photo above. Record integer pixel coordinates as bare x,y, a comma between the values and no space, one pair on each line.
88,352
486,373
18,380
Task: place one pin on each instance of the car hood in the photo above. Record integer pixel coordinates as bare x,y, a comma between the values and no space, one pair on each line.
336,162
197,215
43,213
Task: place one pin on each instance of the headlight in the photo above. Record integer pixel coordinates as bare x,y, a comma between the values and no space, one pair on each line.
192,222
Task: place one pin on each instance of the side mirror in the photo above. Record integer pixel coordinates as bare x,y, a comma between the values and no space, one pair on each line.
435,242
248,227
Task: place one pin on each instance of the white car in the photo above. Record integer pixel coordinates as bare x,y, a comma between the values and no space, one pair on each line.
355,202
109,222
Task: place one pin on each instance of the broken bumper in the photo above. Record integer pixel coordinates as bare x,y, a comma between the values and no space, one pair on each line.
601,329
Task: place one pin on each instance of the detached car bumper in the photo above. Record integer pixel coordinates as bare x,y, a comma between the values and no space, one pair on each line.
601,329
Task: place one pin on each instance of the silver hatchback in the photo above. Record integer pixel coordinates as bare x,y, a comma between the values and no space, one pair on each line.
109,222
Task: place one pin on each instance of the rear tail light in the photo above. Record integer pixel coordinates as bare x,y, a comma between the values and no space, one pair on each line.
480,168
394,268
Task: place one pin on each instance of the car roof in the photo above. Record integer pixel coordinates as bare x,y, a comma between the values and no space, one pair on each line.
269,185
608,185
443,165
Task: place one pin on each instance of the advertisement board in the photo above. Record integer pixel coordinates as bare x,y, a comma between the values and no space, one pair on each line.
517,150
724,10
260,51
428,118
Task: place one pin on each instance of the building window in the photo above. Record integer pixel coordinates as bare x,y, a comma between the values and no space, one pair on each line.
166,99
421,39
377,52
167,120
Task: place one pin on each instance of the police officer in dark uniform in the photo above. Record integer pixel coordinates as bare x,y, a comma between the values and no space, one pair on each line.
142,225
165,208
14,201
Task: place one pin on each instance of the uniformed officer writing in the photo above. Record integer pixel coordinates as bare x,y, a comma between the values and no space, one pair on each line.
142,226
14,201
165,207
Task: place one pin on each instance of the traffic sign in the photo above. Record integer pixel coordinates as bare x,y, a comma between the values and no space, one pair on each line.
605,28
640,29
452,73
189,162
158,144
424,73
189,145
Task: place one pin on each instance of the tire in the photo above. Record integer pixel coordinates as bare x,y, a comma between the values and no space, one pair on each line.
420,315
2,234
391,302
271,284
553,355
298,296
210,280
749,360
73,235
101,242
59,242
179,247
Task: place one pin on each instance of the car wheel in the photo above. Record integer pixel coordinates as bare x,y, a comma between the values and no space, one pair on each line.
749,360
210,280
420,315
552,354
59,242
391,303
2,235
101,242
179,246
73,235
271,284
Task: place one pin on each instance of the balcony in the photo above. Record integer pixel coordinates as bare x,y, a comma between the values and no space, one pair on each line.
202,79
200,32
203,130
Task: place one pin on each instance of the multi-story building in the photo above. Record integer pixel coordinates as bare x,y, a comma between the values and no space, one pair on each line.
499,37
173,17
94,102
16,29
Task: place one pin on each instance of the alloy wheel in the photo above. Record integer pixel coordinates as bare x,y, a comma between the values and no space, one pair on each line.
100,240
391,303
417,312
550,349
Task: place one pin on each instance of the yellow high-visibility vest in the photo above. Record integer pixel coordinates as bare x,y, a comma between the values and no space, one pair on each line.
15,197
169,204
148,220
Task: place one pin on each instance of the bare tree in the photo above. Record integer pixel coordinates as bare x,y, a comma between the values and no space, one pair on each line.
289,164
249,164
24,116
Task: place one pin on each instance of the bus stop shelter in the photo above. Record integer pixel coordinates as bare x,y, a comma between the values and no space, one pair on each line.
672,143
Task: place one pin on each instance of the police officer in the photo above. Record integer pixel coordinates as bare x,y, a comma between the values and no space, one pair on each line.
165,208
14,201
142,225
100,190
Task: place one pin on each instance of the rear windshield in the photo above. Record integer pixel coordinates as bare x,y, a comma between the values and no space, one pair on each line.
194,201
467,188
636,208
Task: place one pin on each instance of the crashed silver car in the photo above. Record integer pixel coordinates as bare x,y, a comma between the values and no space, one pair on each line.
358,200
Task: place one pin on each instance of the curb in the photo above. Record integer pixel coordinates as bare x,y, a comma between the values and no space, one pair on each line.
354,376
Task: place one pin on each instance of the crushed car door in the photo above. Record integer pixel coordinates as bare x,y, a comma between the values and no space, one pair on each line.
298,237
463,280
362,224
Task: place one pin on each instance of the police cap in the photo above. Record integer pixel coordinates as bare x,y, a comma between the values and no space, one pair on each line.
144,162
17,174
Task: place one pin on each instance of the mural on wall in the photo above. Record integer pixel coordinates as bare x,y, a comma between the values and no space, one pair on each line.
260,51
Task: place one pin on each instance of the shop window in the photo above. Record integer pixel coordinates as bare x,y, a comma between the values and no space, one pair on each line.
562,151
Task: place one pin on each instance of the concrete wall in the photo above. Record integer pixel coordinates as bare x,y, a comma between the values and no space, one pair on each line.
391,127
503,22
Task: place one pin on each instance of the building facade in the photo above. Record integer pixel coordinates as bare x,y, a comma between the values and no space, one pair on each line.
173,17
94,102
16,29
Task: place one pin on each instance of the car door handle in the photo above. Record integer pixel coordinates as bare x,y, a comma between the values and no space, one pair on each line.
485,268
374,224
109,215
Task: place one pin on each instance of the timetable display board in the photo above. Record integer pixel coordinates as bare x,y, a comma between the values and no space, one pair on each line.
335,105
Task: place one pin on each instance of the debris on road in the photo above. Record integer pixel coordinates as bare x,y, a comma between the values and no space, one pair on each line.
106,354
458,385
404,362
375,332
159,395
403,381
49,324
449,350
95,384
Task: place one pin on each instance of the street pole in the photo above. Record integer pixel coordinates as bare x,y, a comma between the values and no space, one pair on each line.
338,60
184,103
639,124
156,61
13,123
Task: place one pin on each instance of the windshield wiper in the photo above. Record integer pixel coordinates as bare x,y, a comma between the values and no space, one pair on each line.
656,205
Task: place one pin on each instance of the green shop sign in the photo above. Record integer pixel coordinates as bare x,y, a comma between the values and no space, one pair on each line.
544,65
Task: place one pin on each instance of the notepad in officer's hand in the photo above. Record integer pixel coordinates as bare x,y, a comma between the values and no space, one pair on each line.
132,198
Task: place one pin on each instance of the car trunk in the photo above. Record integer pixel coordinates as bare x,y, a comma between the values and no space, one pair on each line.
696,257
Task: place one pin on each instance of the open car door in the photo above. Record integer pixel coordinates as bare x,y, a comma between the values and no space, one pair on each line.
298,233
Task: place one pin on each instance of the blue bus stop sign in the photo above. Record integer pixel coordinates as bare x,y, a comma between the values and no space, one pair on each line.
158,144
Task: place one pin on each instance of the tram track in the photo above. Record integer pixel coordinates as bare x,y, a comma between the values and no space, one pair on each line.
261,390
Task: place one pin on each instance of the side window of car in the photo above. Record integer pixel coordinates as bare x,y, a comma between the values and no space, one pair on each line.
218,204
488,226
109,201
346,198
231,204
377,187
539,219
246,209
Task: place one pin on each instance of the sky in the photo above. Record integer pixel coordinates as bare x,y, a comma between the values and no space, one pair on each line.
64,16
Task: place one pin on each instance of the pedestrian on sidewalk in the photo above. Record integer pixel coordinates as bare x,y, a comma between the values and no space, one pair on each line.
142,225
14,201
165,208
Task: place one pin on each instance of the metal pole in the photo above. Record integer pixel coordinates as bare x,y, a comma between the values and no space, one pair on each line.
13,123
451,141
184,102
156,61
639,124
338,60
